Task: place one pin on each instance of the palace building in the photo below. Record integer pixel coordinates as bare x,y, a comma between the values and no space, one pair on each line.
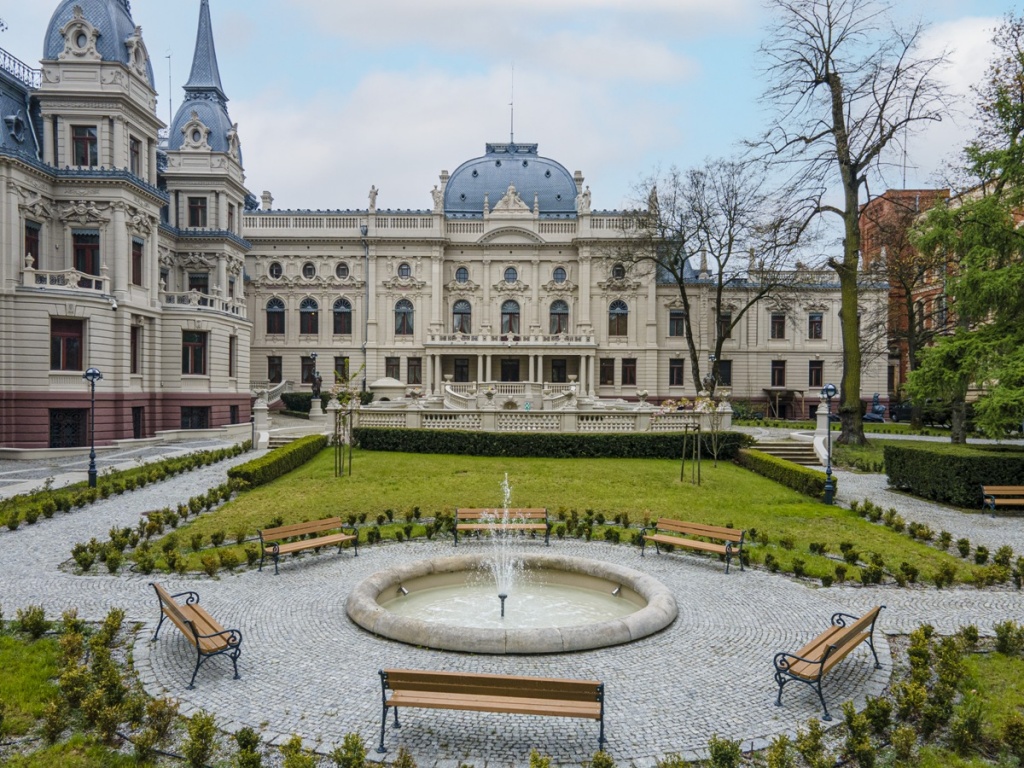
142,254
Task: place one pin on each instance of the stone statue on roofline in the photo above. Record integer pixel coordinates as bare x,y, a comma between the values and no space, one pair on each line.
373,198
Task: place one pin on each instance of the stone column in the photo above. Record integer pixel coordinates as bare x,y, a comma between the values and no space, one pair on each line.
121,249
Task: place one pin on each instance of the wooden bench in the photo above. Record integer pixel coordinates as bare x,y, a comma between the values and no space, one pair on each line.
274,541
490,693
812,662
1002,496
678,533
200,628
525,519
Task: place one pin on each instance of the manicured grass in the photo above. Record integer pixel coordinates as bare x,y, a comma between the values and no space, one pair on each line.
645,489
77,752
26,685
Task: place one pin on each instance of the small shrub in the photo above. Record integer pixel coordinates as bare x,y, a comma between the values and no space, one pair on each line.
1009,637
114,559
799,567
981,555
240,534
904,743
200,744
779,753
252,555
969,636
32,621
826,580
351,753
1013,735
851,556
879,715
811,743
538,761
405,759
295,756
724,753
145,562
55,720
840,571
963,546
161,714
771,563
210,562
910,699
196,542
229,559
217,537
602,759
787,542
1003,556
83,556
945,539
965,725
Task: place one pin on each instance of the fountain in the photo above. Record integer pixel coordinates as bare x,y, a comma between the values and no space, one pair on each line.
555,603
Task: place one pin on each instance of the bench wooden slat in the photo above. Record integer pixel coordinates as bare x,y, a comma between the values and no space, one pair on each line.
677,533
505,694
817,657
1002,496
476,519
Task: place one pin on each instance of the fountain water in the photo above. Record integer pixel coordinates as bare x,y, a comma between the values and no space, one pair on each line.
503,565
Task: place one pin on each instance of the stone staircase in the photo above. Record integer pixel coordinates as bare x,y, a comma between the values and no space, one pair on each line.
791,450
277,441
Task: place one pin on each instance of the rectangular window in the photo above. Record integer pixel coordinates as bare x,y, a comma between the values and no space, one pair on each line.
815,326
607,371
135,156
197,211
32,243
231,217
136,349
199,281
778,325
195,417
66,341
84,145
676,322
69,427
629,371
193,353
462,369
725,372
308,369
816,373
415,370
778,373
275,371
725,325
232,357
233,414
138,422
86,246
558,372
392,367
676,373
341,368
137,261
231,288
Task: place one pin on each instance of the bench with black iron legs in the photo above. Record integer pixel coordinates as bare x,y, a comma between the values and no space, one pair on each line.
490,693
812,662
531,520
287,539
727,542
202,630
1002,496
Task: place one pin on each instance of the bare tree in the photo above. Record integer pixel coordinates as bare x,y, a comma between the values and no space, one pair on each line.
845,84
718,228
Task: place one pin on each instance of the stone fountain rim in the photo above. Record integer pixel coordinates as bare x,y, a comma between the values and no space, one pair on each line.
661,609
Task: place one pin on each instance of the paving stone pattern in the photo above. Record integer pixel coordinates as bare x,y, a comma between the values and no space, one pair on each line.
306,669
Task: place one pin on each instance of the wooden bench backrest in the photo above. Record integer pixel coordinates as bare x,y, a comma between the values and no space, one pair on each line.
493,685
514,513
1013,490
173,612
300,529
699,529
852,631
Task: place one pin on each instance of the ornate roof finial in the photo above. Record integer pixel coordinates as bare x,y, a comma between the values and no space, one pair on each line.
205,75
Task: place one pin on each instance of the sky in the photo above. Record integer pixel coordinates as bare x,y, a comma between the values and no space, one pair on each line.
333,96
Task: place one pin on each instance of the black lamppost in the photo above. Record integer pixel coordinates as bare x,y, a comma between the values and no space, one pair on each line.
828,392
92,376
364,230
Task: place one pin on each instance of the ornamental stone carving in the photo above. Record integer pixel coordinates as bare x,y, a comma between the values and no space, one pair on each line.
511,203
197,135
79,39
34,207
83,212
197,261
138,56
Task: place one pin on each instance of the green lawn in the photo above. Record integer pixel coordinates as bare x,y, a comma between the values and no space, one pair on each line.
26,686
645,489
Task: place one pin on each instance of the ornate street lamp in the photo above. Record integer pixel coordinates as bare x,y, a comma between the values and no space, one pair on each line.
92,375
828,392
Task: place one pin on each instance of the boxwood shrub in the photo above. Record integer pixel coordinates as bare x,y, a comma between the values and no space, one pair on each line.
952,474
301,402
279,461
809,482
555,445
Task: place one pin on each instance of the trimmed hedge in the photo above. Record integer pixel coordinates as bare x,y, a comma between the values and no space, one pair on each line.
278,462
809,482
952,474
556,445
301,402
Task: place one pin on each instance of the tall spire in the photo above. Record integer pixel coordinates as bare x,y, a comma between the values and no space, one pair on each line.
205,74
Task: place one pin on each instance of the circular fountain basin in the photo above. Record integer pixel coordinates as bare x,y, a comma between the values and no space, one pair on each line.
562,604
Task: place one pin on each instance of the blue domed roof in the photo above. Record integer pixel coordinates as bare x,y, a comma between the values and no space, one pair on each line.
112,19
505,164
204,94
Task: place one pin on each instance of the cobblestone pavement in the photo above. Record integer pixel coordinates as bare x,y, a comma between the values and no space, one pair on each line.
306,669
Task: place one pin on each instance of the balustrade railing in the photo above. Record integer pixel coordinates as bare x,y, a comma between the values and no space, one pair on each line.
64,279
504,339
198,300
22,71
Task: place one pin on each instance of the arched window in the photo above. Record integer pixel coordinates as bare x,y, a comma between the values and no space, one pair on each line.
511,275
559,317
403,317
510,317
404,270
309,316
461,275
275,316
342,317
618,272
618,318
462,317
